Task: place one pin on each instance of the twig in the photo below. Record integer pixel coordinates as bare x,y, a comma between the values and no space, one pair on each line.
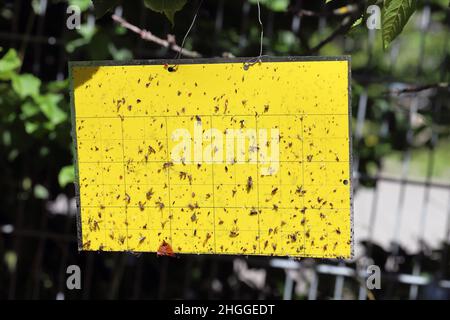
342,11
346,25
343,28
148,36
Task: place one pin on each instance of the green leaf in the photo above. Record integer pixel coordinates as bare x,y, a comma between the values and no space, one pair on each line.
274,5
82,4
101,7
119,54
27,183
357,22
6,138
57,86
167,7
26,85
396,14
31,127
66,175
87,32
29,109
10,258
37,7
9,63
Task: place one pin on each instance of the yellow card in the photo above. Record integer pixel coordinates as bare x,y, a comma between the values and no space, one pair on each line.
209,157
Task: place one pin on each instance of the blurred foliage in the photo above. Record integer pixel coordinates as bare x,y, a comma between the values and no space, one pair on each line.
395,13
34,116
34,109
168,8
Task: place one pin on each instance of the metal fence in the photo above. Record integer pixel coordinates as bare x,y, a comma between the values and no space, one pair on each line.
41,272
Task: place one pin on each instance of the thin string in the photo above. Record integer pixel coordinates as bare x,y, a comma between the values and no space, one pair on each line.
178,56
257,59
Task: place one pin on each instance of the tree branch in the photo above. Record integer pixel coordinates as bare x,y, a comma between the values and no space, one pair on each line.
148,36
343,28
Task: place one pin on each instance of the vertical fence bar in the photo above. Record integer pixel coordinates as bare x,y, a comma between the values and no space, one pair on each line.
163,278
289,284
414,289
322,23
361,276
444,97
187,277
137,284
17,246
404,176
212,276
362,293
270,31
218,24
360,118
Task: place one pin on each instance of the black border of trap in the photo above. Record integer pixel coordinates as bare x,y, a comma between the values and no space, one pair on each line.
179,62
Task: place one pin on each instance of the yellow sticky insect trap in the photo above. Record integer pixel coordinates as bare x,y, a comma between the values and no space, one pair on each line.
214,158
